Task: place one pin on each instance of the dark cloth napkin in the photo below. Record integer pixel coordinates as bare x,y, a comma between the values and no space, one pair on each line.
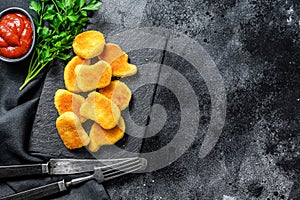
17,113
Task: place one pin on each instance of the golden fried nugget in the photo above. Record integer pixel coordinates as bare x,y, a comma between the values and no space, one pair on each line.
123,69
100,109
118,92
118,60
89,44
100,136
111,53
66,101
91,77
71,131
69,73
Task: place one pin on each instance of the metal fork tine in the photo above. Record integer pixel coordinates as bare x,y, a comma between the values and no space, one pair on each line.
115,174
115,165
125,168
121,165
122,168
114,161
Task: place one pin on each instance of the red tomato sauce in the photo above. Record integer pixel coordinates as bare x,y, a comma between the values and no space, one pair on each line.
15,35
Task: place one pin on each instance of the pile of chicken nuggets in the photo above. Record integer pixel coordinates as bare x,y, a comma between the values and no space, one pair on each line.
106,96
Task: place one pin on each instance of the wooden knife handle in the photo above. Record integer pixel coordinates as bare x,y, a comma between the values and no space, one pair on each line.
23,170
39,192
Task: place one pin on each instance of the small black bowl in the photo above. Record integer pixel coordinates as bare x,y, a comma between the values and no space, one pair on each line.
19,10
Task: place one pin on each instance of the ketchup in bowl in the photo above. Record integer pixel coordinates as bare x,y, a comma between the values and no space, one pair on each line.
15,35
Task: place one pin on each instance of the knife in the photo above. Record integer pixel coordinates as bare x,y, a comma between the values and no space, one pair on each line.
56,167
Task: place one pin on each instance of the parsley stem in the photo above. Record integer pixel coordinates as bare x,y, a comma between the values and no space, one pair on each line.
33,74
39,70
55,6
31,67
31,60
42,11
25,83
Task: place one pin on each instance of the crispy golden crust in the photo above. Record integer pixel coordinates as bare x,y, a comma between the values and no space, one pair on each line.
100,136
118,92
111,53
71,131
89,44
118,60
91,77
66,101
122,68
130,70
69,74
100,109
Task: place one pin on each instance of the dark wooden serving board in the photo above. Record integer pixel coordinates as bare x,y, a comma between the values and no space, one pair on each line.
45,140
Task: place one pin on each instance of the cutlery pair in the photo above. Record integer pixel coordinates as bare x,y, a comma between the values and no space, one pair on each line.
103,170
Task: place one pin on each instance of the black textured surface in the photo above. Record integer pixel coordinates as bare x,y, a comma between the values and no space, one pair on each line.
255,45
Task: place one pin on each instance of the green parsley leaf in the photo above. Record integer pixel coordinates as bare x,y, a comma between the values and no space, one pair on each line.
73,18
58,22
80,3
35,6
63,56
92,5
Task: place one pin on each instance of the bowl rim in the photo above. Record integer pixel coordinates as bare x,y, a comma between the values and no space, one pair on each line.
23,11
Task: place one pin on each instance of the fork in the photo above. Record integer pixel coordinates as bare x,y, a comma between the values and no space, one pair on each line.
100,174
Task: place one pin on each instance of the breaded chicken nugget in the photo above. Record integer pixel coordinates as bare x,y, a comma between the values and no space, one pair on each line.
66,101
111,53
91,77
100,109
89,44
100,136
69,73
121,68
118,60
118,92
71,131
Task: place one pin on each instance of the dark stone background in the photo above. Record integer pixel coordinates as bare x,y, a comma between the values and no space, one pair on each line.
255,45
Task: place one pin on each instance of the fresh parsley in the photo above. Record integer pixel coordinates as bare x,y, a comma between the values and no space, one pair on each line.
58,22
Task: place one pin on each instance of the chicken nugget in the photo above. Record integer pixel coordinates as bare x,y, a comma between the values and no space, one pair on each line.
111,53
91,77
100,136
71,132
89,44
100,109
66,101
118,92
69,73
118,60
